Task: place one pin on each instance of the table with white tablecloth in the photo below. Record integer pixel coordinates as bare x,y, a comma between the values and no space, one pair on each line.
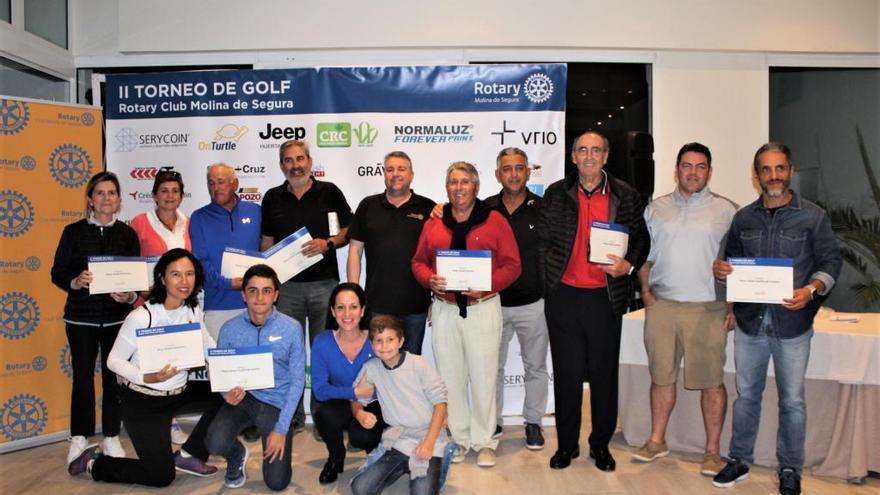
842,393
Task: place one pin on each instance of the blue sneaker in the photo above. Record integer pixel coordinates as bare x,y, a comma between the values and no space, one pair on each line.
236,472
731,474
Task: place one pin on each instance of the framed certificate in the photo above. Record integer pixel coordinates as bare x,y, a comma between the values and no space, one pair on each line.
760,280
465,270
605,239
286,257
246,367
178,345
118,274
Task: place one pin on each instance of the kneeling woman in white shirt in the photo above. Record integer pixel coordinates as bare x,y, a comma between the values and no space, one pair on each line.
150,400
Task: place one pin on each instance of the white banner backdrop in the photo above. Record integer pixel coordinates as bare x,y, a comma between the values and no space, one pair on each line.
351,117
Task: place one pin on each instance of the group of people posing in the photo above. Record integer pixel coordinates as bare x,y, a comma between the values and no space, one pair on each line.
365,344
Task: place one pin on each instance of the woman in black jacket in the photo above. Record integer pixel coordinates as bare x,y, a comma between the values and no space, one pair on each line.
93,320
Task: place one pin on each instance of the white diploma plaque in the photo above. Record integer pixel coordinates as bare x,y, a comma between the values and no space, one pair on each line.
151,265
465,270
246,367
332,223
117,274
605,239
178,345
760,280
236,261
286,257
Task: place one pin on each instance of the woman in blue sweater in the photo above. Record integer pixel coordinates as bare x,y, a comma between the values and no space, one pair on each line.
337,357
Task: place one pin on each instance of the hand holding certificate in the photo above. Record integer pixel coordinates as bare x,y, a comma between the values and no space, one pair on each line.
760,280
246,367
465,270
118,274
285,257
178,345
605,239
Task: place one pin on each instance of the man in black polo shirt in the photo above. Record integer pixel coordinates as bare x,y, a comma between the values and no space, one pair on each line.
387,225
522,307
303,201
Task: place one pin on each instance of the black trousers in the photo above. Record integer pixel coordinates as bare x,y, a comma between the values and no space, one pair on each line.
585,346
333,416
84,341
147,420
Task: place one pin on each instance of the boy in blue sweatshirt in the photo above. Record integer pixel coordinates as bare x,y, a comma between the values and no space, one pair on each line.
271,409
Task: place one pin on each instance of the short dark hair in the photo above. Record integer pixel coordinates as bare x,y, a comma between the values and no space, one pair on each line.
380,322
696,148
362,299
167,175
159,293
772,146
262,271
93,183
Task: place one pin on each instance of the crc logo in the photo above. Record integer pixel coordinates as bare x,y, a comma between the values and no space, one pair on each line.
538,88
14,116
282,132
366,134
16,214
334,135
251,194
70,165
19,315
225,139
66,364
23,416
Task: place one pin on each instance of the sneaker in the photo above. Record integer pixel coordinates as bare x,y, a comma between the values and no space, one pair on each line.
486,457
498,431
789,482
78,444
712,464
460,453
178,436
731,474
236,472
193,465
83,462
113,447
651,451
534,437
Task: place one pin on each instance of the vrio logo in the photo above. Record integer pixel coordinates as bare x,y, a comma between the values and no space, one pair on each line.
334,135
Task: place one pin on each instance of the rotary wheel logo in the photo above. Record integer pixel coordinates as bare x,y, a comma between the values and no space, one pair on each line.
88,119
538,88
39,363
16,214
70,165
19,315
28,163
32,263
65,362
23,416
14,116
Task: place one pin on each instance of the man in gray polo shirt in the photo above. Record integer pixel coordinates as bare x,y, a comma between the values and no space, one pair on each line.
684,315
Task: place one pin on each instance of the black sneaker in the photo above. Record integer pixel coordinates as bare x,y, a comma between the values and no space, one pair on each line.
498,431
236,468
534,437
732,473
82,464
789,482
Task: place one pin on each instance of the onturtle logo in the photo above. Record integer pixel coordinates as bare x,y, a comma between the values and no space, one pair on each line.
65,362
538,88
23,416
27,162
70,165
16,214
19,315
87,119
366,134
39,363
230,132
14,116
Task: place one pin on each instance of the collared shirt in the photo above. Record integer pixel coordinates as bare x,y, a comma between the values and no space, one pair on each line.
592,205
686,235
284,214
390,235
799,230
524,222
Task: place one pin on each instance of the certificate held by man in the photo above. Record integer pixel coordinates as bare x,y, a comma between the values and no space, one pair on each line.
236,261
605,239
465,270
178,345
286,257
760,280
246,367
118,274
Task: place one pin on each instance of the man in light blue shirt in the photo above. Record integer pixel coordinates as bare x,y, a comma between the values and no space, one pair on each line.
685,316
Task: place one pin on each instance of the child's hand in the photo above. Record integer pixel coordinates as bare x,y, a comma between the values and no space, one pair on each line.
425,450
364,389
367,420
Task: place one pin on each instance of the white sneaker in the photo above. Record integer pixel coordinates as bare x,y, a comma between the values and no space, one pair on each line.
460,453
486,457
112,447
78,445
178,436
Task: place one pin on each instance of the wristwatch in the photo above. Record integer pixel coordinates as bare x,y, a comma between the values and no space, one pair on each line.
812,289
330,245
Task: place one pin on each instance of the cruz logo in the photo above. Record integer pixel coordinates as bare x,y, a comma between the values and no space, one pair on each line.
19,315
23,416
16,214
334,135
14,116
70,165
366,134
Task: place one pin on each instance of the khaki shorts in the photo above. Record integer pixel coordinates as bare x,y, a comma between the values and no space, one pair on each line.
693,330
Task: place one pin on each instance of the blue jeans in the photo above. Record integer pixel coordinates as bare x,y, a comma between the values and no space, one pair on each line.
414,332
222,437
392,465
790,357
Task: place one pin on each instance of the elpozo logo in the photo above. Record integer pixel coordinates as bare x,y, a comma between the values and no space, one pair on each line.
251,194
14,116
31,264
537,87
19,315
16,214
26,163
70,165
23,416
129,140
225,138
434,134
